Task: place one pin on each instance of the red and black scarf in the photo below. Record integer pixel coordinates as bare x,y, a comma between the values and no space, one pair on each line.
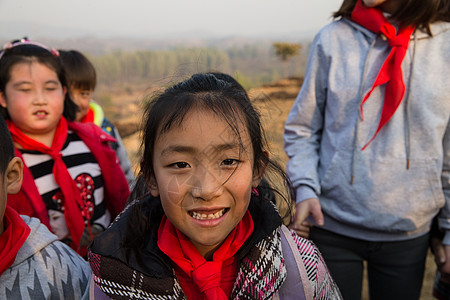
72,201
391,71
15,233
204,279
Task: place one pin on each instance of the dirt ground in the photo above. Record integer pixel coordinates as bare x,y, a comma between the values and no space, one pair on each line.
274,102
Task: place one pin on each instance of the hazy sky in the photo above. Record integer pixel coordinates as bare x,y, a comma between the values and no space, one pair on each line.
56,18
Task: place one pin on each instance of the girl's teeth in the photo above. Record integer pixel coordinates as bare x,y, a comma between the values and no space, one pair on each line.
201,216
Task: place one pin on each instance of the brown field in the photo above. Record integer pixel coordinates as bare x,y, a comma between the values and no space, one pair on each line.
274,102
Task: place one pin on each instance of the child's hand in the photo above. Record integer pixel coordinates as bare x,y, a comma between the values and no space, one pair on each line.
303,209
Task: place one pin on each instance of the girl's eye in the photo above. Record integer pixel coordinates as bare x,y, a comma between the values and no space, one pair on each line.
51,87
229,162
180,165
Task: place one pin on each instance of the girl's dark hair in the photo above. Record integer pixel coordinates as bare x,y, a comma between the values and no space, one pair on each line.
80,72
225,97
420,13
28,53
6,146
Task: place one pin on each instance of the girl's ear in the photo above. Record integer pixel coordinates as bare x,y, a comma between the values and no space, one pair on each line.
2,100
153,186
13,175
258,172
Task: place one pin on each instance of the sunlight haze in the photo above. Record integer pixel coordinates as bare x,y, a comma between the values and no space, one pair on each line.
162,19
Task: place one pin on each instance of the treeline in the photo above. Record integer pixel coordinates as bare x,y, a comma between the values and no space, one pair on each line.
252,64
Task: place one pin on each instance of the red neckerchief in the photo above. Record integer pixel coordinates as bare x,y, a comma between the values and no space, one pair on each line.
89,117
72,201
11,240
205,279
391,71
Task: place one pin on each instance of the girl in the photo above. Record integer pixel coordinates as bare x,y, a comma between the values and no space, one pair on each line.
204,230
72,180
82,79
369,143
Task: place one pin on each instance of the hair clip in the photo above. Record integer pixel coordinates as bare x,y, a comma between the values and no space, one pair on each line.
26,41
55,52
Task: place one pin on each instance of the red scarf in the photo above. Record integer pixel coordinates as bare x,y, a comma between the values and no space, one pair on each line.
204,279
72,201
89,117
391,71
12,239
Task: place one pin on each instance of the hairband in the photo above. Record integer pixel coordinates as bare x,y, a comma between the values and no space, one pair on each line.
26,41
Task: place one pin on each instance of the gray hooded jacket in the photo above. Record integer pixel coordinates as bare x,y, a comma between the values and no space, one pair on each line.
393,189
45,268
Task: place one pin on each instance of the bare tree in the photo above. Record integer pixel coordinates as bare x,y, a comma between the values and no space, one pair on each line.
285,51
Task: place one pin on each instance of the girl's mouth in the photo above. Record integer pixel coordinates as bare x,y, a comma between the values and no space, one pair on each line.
40,113
208,215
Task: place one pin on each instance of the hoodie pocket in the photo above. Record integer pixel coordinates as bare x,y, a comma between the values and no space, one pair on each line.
384,195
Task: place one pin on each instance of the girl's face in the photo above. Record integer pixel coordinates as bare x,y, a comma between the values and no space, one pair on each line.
204,178
34,98
82,99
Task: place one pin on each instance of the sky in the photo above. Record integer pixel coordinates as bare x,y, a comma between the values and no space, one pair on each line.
162,18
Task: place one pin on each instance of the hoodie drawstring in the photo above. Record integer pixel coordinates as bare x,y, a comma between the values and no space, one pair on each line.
359,118
408,91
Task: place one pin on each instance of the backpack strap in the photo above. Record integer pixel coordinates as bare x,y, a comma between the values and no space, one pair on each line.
296,285
95,293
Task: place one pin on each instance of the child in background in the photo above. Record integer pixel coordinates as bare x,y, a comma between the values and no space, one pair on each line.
82,79
72,179
33,263
205,230
369,143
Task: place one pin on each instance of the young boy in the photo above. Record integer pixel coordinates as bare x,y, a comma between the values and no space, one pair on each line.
33,263
82,79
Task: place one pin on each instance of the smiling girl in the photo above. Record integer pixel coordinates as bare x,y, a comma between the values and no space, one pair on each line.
205,230
72,181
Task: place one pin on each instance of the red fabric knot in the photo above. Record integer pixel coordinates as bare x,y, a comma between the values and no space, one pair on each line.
391,71
399,41
208,275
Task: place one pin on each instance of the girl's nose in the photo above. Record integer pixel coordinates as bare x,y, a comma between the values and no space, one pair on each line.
206,185
39,98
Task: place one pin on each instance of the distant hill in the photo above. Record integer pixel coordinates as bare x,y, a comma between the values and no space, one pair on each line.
73,38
